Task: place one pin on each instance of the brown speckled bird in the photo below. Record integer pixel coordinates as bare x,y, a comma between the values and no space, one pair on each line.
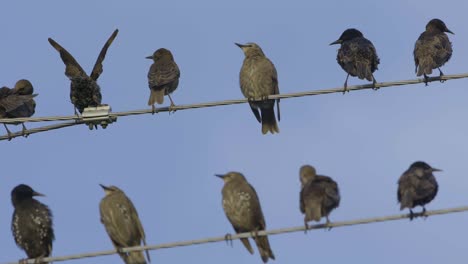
432,49
31,223
17,102
357,56
417,186
243,210
163,77
319,195
258,79
120,218
84,90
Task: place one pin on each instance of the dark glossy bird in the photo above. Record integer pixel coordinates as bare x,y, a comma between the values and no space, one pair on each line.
432,49
357,56
417,186
258,79
17,102
32,223
243,210
84,90
120,218
319,195
163,77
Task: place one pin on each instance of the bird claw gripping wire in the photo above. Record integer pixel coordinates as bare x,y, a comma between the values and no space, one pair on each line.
228,239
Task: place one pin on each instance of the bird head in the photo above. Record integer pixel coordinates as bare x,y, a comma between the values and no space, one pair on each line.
161,54
437,24
421,168
306,173
110,189
23,87
349,34
23,192
231,176
251,49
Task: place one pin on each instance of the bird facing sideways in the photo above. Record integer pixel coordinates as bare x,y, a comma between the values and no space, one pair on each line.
121,221
84,90
432,49
31,224
357,56
242,208
258,79
417,186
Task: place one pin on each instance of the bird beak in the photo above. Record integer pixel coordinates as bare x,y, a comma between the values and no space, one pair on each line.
336,42
449,31
149,57
37,194
104,187
221,176
434,169
240,45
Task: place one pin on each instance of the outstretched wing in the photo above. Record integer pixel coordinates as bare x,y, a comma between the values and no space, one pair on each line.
97,70
72,68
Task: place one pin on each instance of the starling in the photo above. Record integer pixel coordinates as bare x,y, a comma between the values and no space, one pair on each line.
120,218
319,195
163,77
84,90
357,56
17,102
242,208
417,186
432,49
32,223
258,79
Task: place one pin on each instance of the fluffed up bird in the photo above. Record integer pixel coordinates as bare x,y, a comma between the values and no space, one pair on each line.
357,56
319,195
32,223
17,102
258,79
432,49
163,77
243,210
417,186
84,90
120,218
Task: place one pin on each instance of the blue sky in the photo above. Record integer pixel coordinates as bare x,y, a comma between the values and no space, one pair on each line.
165,163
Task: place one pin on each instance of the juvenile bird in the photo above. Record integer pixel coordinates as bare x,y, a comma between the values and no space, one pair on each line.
319,195
258,79
417,186
31,223
163,77
243,210
17,102
120,218
357,56
84,90
432,49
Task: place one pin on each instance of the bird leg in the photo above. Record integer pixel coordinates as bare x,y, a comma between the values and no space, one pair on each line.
411,215
153,109
23,261
328,223
228,239
8,132
306,225
373,83
423,213
24,131
76,112
172,105
426,79
440,75
346,85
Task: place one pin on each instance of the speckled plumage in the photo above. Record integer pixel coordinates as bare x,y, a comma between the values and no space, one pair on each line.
163,76
319,194
432,49
120,218
258,79
31,223
357,56
84,90
242,207
417,186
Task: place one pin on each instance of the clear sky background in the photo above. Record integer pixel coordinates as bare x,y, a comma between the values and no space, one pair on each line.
165,163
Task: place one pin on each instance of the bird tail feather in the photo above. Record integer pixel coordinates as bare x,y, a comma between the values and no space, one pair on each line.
135,257
264,248
406,200
313,211
425,66
364,71
247,245
269,121
156,96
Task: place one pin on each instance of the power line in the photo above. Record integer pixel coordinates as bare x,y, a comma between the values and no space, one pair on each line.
114,115
247,235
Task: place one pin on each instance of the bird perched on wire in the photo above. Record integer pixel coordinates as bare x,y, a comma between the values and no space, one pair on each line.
17,102
163,77
258,79
357,56
84,90
31,223
319,195
120,218
243,210
432,49
417,186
